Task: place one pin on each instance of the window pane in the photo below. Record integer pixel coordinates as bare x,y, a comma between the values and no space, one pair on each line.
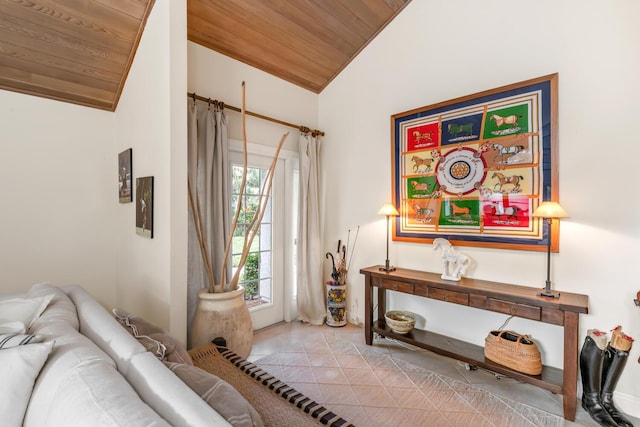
265,289
265,237
250,208
265,264
267,212
256,274
238,240
253,181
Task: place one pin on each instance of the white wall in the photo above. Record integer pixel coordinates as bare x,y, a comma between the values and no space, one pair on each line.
213,75
58,195
151,119
435,51
61,220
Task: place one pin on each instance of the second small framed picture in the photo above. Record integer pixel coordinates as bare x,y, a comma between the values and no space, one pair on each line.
144,206
125,192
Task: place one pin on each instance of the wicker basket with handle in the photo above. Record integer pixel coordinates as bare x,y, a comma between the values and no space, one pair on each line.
515,351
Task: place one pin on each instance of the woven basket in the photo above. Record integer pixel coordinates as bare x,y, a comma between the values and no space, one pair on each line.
515,351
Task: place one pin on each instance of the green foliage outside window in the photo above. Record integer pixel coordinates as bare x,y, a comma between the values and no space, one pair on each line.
252,274
250,277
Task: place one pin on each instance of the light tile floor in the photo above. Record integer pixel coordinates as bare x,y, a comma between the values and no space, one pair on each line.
319,361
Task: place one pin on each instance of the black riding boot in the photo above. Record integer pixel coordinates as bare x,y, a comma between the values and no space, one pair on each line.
615,357
591,357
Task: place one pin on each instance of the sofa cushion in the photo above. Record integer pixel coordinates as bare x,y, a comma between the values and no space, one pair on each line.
94,394
218,394
98,325
60,310
153,338
22,310
19,367
164,392
14,340
58,322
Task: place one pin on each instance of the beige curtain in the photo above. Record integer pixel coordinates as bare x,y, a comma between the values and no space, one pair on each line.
311,290
208,172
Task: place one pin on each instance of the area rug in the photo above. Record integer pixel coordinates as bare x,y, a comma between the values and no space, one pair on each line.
277,403
370,388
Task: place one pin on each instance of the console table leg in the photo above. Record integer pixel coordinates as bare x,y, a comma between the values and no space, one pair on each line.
382,303
570,371
368,310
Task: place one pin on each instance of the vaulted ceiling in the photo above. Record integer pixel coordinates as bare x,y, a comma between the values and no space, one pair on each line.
306,42
77,51
80,51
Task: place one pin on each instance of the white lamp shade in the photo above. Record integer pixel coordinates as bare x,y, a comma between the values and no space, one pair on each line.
550,210
388,210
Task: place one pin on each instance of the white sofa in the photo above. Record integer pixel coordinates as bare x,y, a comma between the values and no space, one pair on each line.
97,374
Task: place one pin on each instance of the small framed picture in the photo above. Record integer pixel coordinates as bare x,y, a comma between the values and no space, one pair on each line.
125,192
144,206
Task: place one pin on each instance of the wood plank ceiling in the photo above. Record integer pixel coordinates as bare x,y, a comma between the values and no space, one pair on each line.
80,51
306,42
76,51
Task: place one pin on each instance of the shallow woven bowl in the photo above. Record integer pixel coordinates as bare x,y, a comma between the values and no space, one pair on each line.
400,321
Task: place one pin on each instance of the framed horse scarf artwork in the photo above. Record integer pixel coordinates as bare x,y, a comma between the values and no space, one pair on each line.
473,169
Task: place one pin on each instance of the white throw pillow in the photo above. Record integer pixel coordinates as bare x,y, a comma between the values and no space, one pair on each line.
25,310
219,394
14,340
19,368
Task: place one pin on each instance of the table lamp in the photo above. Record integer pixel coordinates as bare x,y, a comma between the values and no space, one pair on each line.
549,211
388,210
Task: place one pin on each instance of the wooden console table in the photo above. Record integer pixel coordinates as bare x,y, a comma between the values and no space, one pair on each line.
520,301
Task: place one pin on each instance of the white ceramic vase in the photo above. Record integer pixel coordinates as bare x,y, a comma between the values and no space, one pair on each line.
225,315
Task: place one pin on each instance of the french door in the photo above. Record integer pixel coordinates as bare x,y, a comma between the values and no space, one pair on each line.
267,269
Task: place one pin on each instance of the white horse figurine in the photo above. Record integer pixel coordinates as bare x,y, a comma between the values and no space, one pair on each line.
455,263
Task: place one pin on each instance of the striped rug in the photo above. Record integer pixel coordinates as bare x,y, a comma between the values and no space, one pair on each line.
277,403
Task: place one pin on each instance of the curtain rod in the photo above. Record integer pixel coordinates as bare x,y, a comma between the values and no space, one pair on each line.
303,129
